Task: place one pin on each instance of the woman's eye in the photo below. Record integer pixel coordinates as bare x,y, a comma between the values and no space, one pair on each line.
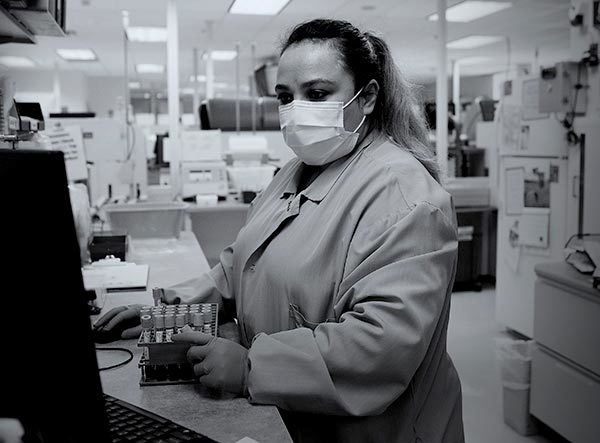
316,94
284,99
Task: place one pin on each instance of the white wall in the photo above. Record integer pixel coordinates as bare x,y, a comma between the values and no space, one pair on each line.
102,94
36,85
470,87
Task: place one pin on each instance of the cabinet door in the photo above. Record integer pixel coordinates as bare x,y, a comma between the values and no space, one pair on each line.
565,398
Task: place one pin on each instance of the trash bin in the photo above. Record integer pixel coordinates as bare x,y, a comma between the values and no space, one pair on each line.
515,369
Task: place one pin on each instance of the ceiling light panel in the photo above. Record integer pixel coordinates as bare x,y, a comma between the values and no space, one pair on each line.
12,61
474,60
470,10
146,34
258,7
199,78
220,55
77,55
474,41
149,68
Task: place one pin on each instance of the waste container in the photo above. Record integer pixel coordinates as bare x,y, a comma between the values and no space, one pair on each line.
515,369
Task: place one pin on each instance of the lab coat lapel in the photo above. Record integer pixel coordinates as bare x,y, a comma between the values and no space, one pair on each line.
268,218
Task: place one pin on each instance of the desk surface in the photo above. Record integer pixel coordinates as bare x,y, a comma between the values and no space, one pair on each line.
564,273
224,419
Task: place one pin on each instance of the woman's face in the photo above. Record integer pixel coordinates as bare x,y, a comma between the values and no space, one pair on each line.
313,71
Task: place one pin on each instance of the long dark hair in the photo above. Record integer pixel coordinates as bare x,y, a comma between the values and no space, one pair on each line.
366,56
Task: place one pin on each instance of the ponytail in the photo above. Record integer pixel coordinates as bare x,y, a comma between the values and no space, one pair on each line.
397,112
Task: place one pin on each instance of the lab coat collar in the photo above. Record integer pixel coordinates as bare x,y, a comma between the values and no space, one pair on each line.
321,186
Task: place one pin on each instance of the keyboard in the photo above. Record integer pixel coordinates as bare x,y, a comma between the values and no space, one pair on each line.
128,423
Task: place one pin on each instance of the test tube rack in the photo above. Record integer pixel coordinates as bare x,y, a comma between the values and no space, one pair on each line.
163,361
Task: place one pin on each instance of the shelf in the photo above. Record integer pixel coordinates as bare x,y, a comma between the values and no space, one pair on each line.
13,31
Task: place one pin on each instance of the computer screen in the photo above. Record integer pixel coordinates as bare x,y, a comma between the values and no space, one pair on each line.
49,380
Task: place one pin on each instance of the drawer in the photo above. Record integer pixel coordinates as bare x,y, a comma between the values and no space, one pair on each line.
568,323
565,398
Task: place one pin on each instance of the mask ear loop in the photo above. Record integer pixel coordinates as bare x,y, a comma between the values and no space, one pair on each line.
353,98
360,124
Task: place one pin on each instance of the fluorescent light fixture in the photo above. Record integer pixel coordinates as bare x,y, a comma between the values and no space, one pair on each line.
476,60
135,85
474,41
149,68
77,55
199,78
13,61
257,7
221,55
146,34
187,91
470,10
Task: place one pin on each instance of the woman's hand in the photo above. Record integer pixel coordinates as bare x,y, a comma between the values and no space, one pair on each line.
219,363
119,323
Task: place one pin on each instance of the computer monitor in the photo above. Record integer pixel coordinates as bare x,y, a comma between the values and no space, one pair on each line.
49,377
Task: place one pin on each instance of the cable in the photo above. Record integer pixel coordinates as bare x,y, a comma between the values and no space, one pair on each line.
572,136
123,363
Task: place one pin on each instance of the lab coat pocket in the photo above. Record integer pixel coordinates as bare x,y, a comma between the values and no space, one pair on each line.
299,320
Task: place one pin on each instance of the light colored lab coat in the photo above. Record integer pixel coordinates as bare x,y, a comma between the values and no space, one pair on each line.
342,293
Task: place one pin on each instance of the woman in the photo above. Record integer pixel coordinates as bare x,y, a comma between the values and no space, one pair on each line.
342,276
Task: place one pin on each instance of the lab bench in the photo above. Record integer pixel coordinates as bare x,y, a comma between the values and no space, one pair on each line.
221,417
565,372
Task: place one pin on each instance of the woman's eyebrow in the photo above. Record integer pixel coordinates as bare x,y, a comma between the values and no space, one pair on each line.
310,83
279,87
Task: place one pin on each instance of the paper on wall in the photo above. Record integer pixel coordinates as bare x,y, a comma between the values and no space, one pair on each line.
530,96
534,227
510,127
515,189
68,139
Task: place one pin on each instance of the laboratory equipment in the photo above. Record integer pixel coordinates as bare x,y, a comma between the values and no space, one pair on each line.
203,171
559,91
116,171
107,243
201,178
164,361
23,120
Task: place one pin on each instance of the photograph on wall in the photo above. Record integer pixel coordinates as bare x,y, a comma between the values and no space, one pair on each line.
536,188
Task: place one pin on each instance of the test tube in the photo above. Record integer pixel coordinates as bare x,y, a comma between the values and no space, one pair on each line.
159,327
179,322
207,314
197,321
169,326
145,311
146,328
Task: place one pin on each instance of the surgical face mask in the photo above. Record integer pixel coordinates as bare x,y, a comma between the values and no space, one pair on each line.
315,130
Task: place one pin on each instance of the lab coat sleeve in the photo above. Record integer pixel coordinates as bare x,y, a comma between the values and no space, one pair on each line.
211,287
395,282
